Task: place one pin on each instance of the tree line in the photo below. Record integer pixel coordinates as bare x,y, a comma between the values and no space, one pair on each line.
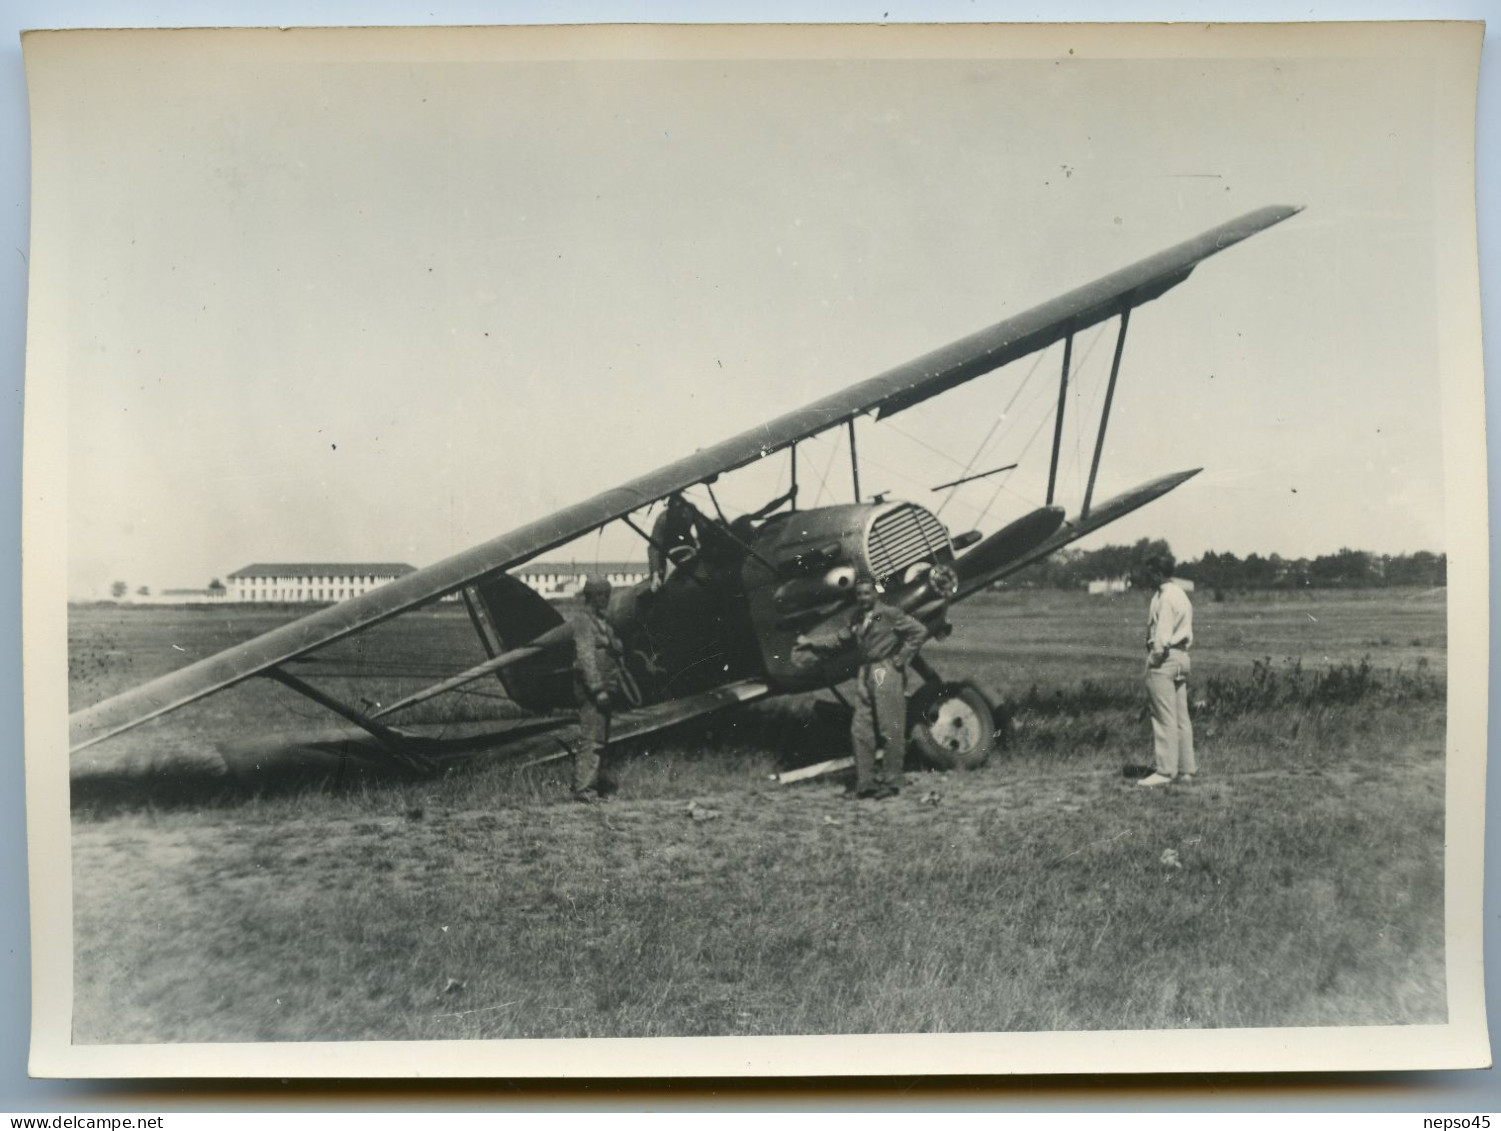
1344,569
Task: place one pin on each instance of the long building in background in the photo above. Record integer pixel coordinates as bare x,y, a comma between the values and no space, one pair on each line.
560,580
311,582
325,582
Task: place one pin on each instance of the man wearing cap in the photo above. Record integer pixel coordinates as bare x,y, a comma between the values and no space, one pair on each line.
886,639
1170,633
675,535
597,658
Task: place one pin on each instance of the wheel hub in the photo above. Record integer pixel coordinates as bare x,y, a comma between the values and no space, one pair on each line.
955,725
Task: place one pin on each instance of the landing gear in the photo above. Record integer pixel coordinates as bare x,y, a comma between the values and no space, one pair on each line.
953,726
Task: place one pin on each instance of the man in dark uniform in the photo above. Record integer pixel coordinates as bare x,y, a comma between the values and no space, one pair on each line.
677,529
597,663
886,639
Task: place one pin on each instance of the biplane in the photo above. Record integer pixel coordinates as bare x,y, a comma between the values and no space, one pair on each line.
718,630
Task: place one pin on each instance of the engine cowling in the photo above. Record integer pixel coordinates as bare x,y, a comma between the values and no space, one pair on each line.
817,556
803,592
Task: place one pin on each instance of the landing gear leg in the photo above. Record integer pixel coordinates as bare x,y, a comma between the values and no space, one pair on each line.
925,669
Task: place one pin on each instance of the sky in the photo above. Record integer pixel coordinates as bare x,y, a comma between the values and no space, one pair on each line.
382,304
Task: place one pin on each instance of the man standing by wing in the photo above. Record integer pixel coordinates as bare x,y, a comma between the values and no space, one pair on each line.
1170,633
597,659
887,639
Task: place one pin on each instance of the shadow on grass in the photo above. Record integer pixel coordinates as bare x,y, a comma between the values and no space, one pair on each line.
176,775
533,766
1269,703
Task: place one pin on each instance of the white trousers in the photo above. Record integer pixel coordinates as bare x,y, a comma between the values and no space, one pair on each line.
1172,729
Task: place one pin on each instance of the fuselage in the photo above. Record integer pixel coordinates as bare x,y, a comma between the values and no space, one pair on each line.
736,609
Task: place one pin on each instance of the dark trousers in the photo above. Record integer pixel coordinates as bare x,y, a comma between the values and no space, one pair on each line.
880,722
594,732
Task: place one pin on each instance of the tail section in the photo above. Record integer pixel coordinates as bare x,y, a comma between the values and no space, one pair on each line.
508,614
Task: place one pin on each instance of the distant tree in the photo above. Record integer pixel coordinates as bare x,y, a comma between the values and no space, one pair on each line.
1257,572
215,586
1419,569
1145,548
1219,571
1056,571
143,591
1074,569
1108,562
1347,569
1205,571
118,589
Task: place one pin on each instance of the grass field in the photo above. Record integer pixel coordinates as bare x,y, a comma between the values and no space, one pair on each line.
1300,883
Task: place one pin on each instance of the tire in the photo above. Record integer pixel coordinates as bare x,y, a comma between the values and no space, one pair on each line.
952,726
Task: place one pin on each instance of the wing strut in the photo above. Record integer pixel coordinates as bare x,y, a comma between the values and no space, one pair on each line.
713,498
726,528
854,460
391,741
647,538
479,616
1068,353
1099,441
552,638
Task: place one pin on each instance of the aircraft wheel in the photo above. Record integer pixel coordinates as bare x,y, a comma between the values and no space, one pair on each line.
952,726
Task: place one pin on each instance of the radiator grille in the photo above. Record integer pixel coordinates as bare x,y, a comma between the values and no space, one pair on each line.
901,537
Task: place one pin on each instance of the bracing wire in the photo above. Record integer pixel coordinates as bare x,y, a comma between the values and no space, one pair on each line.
1078,430
999,420
1021,458
823,476
906,478
1079,416
1087,414
1001,486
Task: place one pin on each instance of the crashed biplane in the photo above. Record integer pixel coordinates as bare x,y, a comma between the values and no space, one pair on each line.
720,629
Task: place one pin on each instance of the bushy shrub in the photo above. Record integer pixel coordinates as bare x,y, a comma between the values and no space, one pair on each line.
1268,687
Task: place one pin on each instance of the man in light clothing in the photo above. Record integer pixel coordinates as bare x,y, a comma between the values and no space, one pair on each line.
1170,633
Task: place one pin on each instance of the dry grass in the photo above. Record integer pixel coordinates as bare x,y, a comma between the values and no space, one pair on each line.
1300,884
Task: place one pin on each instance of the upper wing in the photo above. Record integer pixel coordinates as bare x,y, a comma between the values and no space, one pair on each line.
1043,325
889,392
